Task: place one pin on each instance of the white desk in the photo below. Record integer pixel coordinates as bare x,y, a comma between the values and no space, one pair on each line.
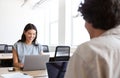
35,74
10,55
6,56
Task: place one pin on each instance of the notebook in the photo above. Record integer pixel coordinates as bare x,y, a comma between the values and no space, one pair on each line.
56,69
35,62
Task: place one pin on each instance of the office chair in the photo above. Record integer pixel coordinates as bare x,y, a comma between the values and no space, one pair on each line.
56,69
9,49
3,48
62,53
45,48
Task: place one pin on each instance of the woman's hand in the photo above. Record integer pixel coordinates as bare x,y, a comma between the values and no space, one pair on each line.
21,65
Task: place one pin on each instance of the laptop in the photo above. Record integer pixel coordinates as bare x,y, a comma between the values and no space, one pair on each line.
35,62
56,69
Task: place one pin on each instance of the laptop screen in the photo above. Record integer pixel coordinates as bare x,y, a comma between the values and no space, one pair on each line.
35,62
56,69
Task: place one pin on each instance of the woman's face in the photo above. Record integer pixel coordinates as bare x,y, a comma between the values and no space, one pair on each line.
30,35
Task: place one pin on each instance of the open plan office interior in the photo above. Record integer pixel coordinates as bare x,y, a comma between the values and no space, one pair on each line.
58,23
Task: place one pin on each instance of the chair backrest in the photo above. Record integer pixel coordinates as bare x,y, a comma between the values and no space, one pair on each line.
62,53
45,48
9,48
56,69
3,48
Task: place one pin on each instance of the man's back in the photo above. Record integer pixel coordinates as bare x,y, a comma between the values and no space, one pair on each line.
97,58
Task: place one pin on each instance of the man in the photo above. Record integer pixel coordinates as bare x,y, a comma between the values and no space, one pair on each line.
99,57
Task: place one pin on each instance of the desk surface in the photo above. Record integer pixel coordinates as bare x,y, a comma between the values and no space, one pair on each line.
6,56
10,56
35,74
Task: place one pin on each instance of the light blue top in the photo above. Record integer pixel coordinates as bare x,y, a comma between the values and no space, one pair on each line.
23,49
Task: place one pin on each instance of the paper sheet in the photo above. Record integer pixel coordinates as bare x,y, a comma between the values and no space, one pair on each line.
16,75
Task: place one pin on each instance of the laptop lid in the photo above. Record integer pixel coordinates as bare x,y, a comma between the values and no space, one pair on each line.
35,62
56,69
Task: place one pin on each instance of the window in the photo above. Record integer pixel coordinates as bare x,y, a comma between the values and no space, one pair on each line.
77,32
48,25
53,22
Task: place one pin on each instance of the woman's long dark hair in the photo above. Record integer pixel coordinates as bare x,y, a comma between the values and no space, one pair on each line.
29,26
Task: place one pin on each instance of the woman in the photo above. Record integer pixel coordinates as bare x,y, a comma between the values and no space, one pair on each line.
26,46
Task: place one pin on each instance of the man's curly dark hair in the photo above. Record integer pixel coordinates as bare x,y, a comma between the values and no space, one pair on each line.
102,14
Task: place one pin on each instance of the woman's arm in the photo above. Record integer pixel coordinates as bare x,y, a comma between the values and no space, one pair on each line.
15,59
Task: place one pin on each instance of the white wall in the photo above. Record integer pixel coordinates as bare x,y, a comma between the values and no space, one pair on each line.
13,18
